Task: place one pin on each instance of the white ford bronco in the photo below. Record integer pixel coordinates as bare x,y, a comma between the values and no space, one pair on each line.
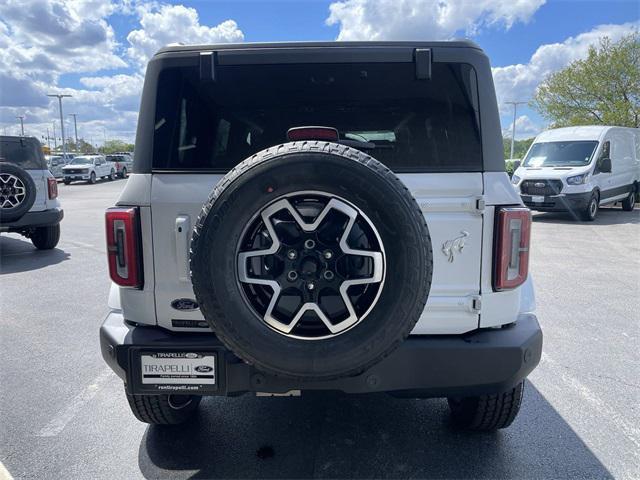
29,202
320,216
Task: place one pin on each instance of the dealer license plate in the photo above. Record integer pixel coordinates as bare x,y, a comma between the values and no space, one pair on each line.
537,198
177,370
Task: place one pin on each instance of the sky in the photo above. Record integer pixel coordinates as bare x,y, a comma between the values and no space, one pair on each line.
96,50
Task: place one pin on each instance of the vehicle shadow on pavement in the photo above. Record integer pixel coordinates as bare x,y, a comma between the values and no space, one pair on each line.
19,255
606,216
331,435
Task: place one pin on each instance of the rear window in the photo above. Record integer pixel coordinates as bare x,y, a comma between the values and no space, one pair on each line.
410,125
25,153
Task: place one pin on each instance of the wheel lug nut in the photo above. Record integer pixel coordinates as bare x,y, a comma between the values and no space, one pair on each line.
309,244
292,254
311,286
328,254
328,275
292,275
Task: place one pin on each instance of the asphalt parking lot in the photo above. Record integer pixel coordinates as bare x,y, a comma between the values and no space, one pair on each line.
64,414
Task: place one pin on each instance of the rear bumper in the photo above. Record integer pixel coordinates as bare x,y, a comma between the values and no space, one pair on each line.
559,203
483,361
45,218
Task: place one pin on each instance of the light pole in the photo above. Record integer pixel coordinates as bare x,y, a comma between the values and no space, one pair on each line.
21,118
513,127
55,140
75,126
48,139
60,96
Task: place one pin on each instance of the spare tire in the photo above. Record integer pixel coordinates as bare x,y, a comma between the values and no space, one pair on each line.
311,260
17,192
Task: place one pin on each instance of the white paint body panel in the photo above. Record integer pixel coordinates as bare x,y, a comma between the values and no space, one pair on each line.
42,201
461,297
449,202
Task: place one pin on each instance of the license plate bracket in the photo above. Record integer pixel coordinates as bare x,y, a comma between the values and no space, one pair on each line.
172,371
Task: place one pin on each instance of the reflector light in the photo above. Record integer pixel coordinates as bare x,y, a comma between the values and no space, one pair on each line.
123,246
513,234
313,133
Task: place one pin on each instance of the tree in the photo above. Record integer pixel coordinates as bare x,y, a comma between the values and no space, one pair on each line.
604,88
112,146
520,147
82,146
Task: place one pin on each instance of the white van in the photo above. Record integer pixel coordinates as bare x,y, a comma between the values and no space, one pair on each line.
578,169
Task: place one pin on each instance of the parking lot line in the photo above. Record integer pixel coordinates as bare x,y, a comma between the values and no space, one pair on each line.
62,418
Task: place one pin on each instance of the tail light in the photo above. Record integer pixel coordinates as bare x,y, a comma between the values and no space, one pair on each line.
52,187
512,247
123,246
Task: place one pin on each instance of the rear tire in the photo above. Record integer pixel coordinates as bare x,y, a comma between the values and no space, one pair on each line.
322,171
66,182
591,211
163,409
46,238
487,413
629,203
124,173
112,175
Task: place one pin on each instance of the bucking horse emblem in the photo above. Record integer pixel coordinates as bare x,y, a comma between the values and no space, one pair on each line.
450,247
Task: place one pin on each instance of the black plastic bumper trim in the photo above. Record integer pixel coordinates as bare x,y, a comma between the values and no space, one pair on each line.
44,218
479,362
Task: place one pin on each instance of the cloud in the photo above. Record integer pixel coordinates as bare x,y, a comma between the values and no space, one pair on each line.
43,40
525,128
175,23
519,82
424,19
18,91
72,36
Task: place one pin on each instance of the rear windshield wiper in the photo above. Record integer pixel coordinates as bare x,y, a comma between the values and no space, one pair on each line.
357,144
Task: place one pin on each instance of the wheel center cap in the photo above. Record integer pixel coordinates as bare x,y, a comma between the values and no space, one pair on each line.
309,266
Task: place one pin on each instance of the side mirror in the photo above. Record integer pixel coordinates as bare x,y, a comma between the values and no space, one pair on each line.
605,165
516,164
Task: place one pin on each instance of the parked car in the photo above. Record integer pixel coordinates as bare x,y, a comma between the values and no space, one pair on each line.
123,163
342,224
88,168
67,157
579,169
55,164
28,192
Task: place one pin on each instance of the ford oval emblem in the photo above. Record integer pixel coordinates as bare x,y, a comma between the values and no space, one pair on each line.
203,368
539,185
184,304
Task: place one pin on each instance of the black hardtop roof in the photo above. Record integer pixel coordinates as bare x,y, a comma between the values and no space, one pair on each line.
16,138
271,45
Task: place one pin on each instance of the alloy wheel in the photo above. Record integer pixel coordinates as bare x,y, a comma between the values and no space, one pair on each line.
12,191
311,265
